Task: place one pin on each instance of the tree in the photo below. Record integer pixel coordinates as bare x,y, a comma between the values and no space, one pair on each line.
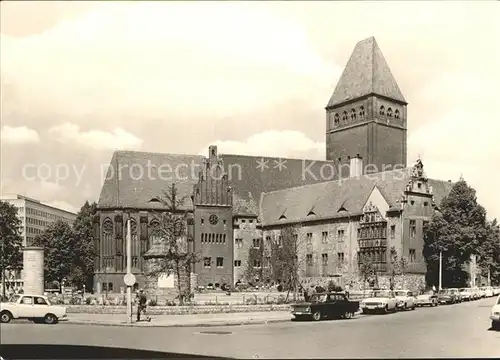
175,256
489,252
10,236
60,251
399,264
366,269
286,260
84,240
457,230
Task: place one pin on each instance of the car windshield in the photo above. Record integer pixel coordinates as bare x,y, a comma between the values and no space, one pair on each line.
318,298
400,293
444,292
14,298
382,294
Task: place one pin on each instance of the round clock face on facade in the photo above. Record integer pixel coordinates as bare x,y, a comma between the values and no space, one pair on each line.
213,219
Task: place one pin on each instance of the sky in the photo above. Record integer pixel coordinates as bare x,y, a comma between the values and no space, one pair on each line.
82,79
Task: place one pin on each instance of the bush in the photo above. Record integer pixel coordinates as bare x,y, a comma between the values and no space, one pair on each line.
333,287
320,289
280,288
88,301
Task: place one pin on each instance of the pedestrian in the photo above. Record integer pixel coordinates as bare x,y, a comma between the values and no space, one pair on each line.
141,305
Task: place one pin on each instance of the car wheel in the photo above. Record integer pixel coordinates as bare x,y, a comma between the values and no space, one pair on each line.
386,309
495,325
50,319
5,317
348,315
316,316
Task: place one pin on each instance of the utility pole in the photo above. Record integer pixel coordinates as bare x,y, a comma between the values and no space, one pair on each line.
129,271
440,270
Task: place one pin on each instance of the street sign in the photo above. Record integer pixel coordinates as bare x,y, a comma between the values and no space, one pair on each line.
129,279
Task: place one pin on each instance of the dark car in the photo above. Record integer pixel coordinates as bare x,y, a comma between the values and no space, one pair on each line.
447,296
328,305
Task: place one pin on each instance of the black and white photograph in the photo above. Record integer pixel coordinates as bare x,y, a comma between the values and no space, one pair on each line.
249,179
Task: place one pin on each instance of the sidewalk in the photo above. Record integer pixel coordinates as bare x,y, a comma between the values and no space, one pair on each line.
220,319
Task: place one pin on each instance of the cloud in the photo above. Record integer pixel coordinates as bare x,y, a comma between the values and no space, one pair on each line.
21,135
288,143
95,139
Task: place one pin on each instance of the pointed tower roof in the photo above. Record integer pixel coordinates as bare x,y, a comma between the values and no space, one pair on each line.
366,72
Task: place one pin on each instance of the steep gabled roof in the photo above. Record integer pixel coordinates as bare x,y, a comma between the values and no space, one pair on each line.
340,198
134,178
366,72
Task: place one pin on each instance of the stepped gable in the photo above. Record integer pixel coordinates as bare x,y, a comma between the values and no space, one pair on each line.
327,199
135,177
366,72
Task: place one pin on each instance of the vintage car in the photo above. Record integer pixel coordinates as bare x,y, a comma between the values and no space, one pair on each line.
495,315
328,305
405,300
380,301
36,308
466,294
447,296
457,293
429,299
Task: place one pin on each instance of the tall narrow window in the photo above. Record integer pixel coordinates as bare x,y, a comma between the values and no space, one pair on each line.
220,262
340,235
413,255
324,237
324,259
309,237
413,228
340,257
389,112
309,259
344,117
396,114
336,120
353,115
393,231
382,111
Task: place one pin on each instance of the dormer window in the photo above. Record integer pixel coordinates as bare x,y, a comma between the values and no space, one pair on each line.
344,117
353,115
282,217
396,114
389,112
336,120
382,111
362,112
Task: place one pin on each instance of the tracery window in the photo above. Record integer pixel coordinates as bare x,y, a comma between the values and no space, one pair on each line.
344,117
389,112
382,110
353,115
336,120
362,112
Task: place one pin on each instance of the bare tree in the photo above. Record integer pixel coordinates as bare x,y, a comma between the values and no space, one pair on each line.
366,269
399,265
173,255
286,259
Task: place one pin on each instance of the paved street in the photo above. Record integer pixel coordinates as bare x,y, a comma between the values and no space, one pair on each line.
460,330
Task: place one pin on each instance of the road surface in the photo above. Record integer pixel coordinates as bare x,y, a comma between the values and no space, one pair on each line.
461,330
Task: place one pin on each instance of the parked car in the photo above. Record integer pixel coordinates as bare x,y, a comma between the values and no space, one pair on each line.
36,308
405,300
429,299
458,295
488,290
482,293
381,301
495,315
446,296
466,294
329,305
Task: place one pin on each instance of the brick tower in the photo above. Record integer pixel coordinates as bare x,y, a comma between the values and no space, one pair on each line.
366,115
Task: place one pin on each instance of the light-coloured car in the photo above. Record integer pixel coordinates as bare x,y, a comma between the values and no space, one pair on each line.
429,299
380,301
495,315
488,290
36,308
405,300
466,294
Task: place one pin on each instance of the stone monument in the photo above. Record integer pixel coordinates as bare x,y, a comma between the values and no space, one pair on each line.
33,273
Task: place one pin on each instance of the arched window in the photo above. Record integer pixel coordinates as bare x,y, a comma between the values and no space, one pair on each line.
362,112
336,120
344,117
382,110
389,112
396,114
154,234
353,115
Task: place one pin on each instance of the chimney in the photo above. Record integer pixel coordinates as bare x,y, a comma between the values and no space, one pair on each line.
356,166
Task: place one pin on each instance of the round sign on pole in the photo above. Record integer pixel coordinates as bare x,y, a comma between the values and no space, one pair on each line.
129,279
